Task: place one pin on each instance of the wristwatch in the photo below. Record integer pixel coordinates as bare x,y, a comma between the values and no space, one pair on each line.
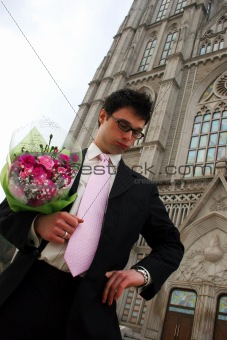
144,272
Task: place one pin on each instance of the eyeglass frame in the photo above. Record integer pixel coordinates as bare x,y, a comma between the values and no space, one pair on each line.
118,121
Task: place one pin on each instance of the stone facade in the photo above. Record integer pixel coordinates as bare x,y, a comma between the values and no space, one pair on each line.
177,52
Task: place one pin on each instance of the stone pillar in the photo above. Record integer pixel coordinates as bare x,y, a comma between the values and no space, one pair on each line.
78,122
204,319
153,325
221,167
86,134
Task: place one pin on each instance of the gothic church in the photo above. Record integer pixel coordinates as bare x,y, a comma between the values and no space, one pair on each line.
175,50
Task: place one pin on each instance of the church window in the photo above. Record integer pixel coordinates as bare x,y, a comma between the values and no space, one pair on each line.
147,55
134,309
220,328
208,49
171,37
208,46
202,50
218,44
180,6
205,48
182,299
163,10
221,44
222,23
209,7
208,141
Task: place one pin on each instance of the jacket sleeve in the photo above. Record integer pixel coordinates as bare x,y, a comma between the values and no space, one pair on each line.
14,226
166,248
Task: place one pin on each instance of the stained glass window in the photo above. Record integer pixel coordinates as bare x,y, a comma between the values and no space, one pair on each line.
182,301
163,10
207,93
147,55
222,308
208,143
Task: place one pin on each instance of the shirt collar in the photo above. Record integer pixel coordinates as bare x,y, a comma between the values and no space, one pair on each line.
93,151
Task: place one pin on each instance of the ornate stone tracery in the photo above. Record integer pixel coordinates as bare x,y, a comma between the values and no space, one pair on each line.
206,260
218,204
220,86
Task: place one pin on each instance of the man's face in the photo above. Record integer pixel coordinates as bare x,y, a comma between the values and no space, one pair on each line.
110,138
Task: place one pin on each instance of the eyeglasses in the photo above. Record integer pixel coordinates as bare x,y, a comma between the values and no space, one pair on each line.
124,126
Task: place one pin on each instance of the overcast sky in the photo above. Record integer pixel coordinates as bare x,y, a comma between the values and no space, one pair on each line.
65,38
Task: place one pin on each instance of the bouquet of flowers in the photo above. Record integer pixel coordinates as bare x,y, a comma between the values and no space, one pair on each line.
39,174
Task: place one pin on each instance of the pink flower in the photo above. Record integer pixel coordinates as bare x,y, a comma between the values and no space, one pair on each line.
25,173
64,158
74,157
46,161
67,179
61,170
27,160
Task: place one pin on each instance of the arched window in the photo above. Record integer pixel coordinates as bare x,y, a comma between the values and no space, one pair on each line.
208,141
180,6
205,48
208,48
221,24
180,315
163,10
218,44
147,55
171,37
221,44
220,329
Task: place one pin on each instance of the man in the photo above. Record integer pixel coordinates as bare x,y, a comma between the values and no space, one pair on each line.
39,297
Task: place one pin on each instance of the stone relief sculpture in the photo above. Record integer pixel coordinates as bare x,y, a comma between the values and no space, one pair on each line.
205,263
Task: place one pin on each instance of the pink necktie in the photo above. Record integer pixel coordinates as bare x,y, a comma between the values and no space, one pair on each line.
84,241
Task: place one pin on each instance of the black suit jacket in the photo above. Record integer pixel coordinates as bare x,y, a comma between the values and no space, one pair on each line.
134,208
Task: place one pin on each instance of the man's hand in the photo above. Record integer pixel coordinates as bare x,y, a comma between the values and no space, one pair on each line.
118,281
53,227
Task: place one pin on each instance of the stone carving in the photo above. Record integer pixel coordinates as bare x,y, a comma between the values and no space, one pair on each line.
207,263
214,252
218,204
220,86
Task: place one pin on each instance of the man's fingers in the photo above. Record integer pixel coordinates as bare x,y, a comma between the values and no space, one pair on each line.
109,274
114,287
118,282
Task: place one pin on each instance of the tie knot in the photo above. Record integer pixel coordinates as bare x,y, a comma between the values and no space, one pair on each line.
104,157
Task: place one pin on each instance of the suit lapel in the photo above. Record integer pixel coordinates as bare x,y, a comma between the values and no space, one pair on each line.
77,179
123,181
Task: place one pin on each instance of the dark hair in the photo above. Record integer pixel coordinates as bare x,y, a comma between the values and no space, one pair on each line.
139,101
